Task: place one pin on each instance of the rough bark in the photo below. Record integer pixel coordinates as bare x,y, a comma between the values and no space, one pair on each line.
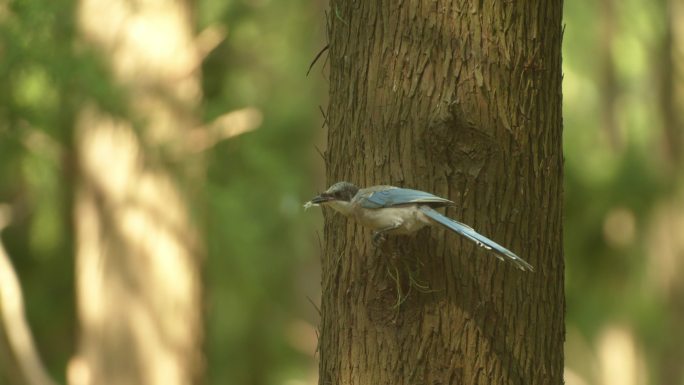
462,99
138,260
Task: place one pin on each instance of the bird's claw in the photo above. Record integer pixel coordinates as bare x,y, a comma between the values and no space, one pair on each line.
378,239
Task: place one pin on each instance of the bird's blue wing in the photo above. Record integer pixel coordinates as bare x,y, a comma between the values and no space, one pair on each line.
388,196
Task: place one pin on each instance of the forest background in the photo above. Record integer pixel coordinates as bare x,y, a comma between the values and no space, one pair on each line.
623,92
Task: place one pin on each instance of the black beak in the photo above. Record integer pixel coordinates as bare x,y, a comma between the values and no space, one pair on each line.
322,199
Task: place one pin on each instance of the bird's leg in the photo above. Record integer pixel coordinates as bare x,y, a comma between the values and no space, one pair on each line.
379,235
378,238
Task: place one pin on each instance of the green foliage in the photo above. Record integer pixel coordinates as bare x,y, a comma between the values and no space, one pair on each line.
37,100
258,236
613,191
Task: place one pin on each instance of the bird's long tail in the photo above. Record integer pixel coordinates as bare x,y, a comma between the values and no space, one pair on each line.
474,236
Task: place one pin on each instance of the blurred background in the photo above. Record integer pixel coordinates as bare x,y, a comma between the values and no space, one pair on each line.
624,190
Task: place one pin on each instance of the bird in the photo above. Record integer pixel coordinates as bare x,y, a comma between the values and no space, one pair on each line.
401,211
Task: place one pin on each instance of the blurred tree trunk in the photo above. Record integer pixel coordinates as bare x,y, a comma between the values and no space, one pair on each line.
19,356
138,257
671,71
608,80
462,99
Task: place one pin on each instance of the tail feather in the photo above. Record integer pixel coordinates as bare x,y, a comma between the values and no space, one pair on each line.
479,239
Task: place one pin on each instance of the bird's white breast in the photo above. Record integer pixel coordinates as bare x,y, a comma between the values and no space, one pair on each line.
409,218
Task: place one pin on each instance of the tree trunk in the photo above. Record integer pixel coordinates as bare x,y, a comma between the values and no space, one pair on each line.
138,259
462,99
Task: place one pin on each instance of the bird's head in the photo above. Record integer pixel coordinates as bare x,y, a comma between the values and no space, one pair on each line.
337,196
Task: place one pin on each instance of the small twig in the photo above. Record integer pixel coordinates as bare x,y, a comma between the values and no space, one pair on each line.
314,305
316,58
337,14
325,117
320,244
327,25
320,152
